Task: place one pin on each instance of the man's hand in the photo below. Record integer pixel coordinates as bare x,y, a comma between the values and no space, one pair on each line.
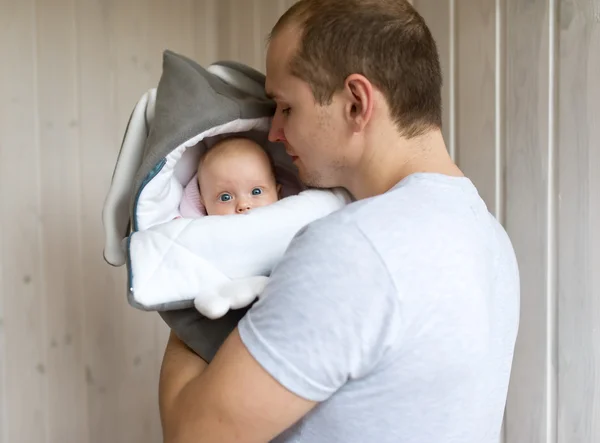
231,400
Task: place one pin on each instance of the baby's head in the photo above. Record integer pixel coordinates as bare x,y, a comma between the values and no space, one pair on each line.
236,175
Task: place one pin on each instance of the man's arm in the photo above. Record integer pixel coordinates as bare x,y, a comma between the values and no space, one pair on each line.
232,399
324,318
179,366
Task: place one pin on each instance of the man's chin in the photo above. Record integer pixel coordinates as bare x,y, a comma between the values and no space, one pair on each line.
314,180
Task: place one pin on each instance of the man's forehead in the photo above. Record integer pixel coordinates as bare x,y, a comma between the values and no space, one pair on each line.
276,72
287,37
280,51
275,83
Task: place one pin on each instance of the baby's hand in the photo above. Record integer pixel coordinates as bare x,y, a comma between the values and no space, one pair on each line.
233,295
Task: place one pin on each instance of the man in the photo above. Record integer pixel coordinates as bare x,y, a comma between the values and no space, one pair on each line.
392,320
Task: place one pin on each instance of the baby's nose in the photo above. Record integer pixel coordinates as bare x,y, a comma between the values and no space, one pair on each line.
243,207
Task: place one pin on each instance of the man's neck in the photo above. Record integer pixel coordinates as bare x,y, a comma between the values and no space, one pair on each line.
392,160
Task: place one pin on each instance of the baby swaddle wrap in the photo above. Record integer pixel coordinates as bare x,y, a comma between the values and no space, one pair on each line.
184,266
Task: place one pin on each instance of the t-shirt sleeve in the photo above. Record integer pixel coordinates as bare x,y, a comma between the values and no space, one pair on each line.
328,315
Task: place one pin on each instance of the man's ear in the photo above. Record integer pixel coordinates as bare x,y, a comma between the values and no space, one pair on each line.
359,95
279,190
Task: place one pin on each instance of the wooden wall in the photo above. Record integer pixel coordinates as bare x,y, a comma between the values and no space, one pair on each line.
522,106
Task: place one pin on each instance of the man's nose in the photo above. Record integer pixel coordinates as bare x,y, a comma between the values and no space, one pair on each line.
276,130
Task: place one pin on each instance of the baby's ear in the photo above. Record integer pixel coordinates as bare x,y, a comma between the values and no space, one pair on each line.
279,190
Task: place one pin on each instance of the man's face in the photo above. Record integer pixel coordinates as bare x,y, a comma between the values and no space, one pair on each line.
314,136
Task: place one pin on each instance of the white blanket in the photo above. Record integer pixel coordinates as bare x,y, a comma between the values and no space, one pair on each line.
220,262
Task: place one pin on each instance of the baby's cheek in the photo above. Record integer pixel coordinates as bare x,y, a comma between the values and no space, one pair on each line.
213,209
274,197
224,209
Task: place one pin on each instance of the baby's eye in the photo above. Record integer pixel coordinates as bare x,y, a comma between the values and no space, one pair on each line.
225,197
256,191
286,111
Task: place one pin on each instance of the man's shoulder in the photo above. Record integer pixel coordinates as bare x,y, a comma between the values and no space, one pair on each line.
362,216
354,222
411,212
336,231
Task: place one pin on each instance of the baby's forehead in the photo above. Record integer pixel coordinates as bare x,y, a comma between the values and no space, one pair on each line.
233,148
235,173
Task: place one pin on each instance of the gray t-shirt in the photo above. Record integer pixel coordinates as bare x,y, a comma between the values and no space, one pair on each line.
398,314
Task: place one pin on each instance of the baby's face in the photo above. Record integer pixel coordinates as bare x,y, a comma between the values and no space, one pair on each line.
235,178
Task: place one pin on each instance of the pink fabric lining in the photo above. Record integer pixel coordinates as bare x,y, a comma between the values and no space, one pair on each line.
191,206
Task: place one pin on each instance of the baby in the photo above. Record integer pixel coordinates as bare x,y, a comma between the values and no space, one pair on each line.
235,176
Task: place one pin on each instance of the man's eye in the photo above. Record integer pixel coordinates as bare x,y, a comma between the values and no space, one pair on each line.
256,191
286,111
225,197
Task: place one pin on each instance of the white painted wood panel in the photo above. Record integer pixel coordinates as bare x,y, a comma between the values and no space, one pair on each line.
530,409
578,166
242,19
226,31
205,27
475,95
103,286
60,190
25,414
266,14
285,4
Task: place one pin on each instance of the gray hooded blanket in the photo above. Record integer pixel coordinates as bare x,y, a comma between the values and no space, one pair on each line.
199,272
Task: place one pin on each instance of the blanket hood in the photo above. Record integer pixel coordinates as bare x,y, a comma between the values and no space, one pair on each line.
192,106
192,100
